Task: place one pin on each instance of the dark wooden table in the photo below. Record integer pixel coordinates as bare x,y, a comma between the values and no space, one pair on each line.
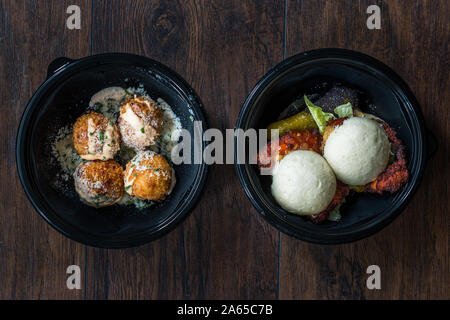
224,249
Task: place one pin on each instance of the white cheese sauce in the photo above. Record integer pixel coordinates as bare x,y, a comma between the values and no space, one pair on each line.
108,102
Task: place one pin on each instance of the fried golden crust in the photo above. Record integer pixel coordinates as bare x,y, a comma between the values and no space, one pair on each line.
151,178
81,134
80,131
147,110
99,183
293,140
151,115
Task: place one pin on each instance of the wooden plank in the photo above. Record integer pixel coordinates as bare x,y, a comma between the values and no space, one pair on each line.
33,256
223,249
413,251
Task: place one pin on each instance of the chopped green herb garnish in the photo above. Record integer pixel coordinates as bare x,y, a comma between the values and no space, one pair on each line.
91,133
191,117
101,135
142,130
144,206
98,106
128,187
157,169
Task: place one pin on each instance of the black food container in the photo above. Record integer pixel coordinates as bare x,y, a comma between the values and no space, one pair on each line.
59,101
389,98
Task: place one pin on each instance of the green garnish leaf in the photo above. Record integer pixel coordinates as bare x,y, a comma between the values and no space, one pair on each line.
335,214
97,197
344,110
321,118
98,106
91,133
157,169
142,130
144,206
101,135
111,108
128,187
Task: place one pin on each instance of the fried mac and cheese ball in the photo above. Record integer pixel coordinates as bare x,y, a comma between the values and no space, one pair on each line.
99,183
95,137
149,176
140,122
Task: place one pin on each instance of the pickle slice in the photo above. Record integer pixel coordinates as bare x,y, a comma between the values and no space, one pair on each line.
299,121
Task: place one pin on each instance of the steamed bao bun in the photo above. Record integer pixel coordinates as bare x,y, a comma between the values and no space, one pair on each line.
303,183
140,122
357,151
148,176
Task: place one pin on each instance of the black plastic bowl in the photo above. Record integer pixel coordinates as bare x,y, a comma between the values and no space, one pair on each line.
59,101
363,214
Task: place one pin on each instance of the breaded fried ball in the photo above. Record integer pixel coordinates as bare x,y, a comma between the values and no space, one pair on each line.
149,176
140,122
95,137
99,183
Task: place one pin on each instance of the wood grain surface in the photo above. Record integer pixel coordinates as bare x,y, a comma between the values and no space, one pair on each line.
33,256
412,252
224,249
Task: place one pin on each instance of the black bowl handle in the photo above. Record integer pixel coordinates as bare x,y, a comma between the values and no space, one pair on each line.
432,144
56,65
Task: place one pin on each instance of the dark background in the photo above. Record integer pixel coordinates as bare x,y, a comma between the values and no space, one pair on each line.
224,249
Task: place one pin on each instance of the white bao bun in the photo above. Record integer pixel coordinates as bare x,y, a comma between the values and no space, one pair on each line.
358,151
303,183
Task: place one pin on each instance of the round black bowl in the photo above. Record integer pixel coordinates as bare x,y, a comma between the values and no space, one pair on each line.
363,214
59,101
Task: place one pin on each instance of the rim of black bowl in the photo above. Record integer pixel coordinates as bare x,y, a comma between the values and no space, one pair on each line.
68,66
274,215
